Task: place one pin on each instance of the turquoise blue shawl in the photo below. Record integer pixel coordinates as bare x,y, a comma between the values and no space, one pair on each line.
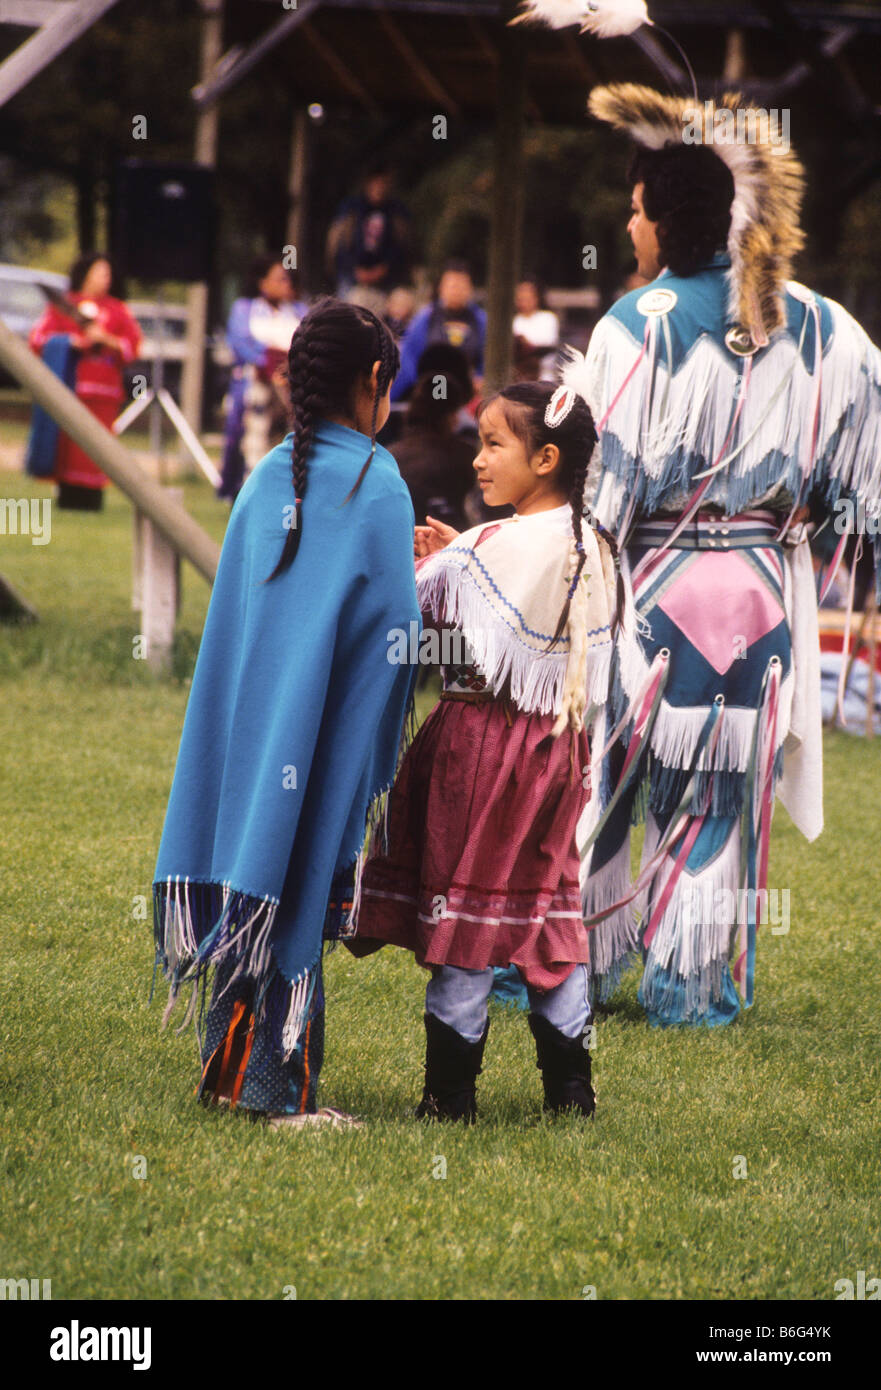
292,726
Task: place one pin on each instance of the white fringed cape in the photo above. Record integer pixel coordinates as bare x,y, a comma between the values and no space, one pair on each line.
506,595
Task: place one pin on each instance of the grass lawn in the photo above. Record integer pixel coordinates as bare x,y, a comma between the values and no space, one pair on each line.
643,1203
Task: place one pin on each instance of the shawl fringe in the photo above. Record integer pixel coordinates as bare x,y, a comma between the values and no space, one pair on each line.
199,924
537,682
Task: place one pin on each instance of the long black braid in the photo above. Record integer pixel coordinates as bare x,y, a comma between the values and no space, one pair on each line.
575,437
334,345
389,362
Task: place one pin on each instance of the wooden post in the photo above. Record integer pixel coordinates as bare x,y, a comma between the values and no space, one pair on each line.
157,588
205,152
296,219
138,558
506,223
735,56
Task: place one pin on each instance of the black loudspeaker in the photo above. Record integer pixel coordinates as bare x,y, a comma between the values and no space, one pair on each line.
163,221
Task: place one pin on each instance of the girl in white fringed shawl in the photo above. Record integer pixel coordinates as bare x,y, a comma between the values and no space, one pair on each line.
480,867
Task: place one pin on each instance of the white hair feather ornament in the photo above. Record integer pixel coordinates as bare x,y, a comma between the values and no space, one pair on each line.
606,19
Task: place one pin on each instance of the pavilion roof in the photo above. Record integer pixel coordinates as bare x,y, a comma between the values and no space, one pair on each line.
442,55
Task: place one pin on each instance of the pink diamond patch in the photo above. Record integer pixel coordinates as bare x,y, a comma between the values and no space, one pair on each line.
722,606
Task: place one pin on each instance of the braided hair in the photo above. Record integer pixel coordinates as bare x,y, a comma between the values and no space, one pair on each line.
524,407
334,345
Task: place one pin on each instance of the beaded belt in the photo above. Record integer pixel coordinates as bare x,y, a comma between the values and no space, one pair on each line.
706,531
471,697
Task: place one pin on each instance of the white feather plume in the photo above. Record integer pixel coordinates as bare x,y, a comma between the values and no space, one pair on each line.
556,14
606,19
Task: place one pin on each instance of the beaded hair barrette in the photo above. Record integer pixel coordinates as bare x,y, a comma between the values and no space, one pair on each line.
559,406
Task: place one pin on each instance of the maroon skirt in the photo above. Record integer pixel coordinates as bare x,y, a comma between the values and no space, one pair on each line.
481,866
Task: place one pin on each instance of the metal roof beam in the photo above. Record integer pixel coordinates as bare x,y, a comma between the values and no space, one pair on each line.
807,50
30,14
238,61
57,31
760,88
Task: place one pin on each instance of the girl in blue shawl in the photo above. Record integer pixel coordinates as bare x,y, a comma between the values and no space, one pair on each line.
293,723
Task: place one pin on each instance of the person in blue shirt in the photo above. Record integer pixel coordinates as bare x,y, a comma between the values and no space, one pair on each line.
453,317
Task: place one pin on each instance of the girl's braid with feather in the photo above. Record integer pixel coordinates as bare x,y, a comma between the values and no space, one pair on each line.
576,502
607,537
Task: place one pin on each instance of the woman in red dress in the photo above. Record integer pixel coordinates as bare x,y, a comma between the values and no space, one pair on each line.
104,344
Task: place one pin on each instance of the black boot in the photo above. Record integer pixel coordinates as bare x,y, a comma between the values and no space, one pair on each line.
564,1064
452,1065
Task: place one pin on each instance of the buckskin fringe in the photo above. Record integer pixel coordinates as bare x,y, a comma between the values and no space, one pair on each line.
692,942
677,729
536,678
614,942
790,435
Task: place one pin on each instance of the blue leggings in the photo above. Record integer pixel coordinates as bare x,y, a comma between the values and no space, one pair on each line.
459,998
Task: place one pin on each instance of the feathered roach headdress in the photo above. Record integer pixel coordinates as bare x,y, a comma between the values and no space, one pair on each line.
768,183
768,179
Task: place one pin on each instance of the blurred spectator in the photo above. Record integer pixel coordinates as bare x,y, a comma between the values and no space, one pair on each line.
259,332
399,309
86,336
536,334
368,241
436,463
451,318
442,360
